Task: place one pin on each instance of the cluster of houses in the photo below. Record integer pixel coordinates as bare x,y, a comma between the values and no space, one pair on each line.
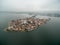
27,24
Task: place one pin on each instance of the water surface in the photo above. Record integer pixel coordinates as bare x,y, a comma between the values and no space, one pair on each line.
47,34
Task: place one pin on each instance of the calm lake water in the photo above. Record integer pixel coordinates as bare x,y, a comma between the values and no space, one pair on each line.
47,34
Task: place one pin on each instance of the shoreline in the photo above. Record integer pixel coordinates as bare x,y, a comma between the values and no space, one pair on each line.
25,25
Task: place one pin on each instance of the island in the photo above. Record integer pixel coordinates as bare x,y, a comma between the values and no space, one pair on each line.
26,24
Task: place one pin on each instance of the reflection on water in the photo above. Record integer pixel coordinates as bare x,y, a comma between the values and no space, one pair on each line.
47,34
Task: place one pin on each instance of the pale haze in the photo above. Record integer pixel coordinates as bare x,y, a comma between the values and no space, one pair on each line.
29,5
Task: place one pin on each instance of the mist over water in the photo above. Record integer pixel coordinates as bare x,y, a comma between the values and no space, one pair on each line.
47,34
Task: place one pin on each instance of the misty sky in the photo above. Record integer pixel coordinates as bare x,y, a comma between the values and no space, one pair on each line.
29,5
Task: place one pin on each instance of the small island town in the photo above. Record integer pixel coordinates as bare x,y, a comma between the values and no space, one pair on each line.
25,25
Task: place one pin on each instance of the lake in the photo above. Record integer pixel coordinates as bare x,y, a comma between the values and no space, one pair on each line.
47,34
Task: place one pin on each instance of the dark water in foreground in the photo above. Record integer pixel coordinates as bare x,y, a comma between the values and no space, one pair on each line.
47,34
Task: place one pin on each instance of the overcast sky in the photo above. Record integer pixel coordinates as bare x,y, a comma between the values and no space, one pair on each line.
29,5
